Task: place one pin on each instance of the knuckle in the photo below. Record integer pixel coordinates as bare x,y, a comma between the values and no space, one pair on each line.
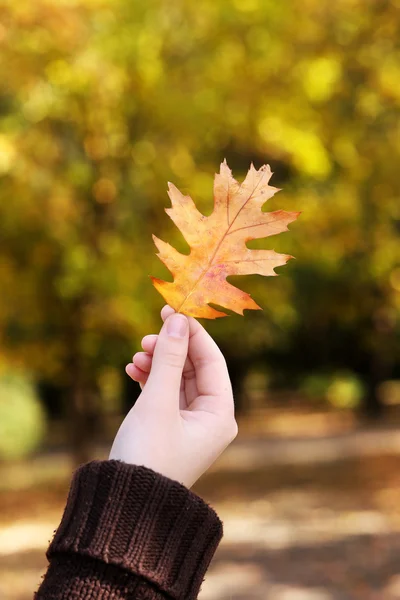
201,362
190,373
173,359
234,429
231,428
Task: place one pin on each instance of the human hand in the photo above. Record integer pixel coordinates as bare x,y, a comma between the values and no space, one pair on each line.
184,417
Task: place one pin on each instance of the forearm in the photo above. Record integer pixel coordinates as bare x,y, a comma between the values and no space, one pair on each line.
128,533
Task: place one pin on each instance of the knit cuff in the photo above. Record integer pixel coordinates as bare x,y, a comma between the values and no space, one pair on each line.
141,521
70,576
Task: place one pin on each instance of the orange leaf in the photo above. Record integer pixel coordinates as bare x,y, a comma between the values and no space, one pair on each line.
218,244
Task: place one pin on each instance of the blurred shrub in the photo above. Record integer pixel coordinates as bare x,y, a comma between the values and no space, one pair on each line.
256,384
345,391
22,419
389,392
316,386
111,389
341,389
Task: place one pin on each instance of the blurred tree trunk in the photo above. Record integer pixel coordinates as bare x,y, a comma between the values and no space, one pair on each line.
372,408
83,409
82,423
237,368
85,419
379,367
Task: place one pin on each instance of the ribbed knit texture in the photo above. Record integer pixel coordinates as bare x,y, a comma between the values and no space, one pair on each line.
128,532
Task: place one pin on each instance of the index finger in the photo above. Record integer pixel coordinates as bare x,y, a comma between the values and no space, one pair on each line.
210,365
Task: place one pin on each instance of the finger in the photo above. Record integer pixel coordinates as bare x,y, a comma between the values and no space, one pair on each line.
136,374
169,359
209,363
149,343
142,361
210,377
166,311
190,385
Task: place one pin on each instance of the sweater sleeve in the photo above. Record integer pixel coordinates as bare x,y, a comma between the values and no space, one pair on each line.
129,533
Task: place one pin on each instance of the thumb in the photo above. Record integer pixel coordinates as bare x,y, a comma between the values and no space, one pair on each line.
169,357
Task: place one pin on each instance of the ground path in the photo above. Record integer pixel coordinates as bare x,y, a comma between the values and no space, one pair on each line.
309,515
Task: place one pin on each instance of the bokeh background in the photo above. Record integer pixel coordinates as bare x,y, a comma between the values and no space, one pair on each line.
101,103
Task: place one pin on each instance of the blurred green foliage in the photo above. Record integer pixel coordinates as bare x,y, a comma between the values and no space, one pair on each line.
341,389
101,103
345,391
22,420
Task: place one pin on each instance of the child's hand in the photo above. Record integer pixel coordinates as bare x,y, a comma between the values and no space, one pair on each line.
184,417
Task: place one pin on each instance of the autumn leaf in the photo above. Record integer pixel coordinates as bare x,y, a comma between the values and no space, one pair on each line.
218,244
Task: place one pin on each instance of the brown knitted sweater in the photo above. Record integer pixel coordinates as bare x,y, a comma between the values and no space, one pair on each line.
129,533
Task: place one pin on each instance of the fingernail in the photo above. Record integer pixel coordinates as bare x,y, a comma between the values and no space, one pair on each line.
177,326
